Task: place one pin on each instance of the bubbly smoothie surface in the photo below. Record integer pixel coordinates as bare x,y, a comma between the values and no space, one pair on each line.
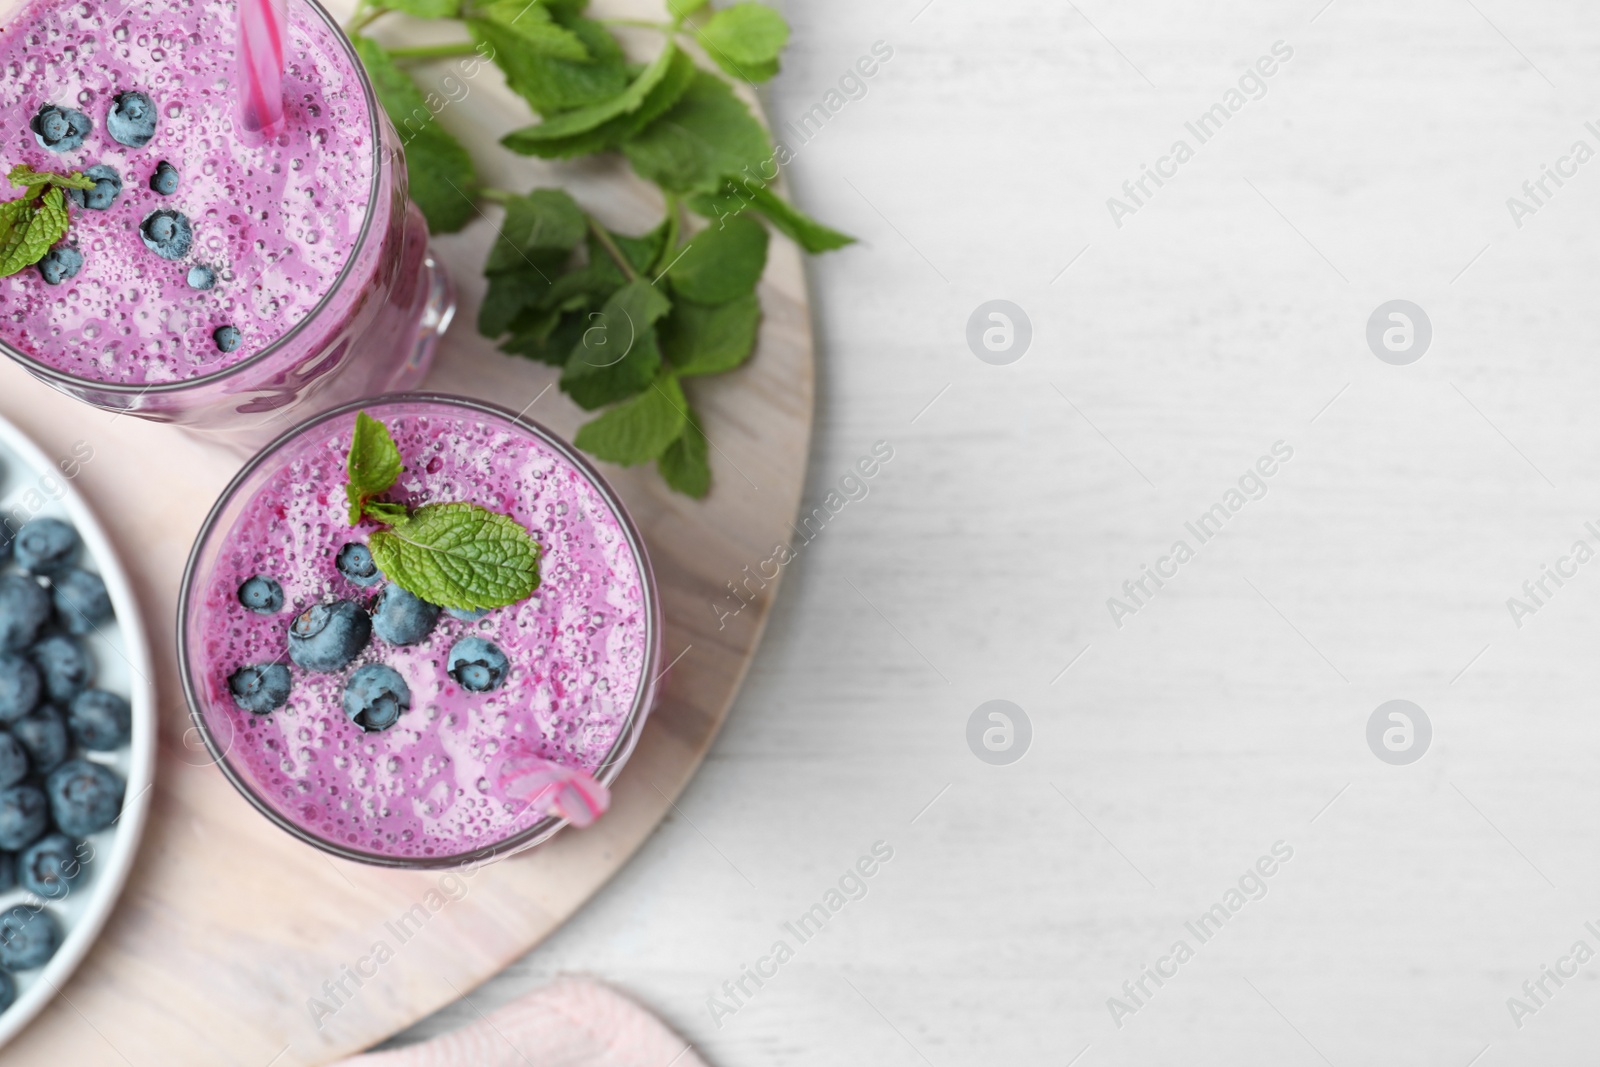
275,224
424,787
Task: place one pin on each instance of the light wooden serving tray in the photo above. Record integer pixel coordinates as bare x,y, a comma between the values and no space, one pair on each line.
229,929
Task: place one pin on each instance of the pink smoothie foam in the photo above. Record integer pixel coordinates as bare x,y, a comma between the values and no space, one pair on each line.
425,787
276,223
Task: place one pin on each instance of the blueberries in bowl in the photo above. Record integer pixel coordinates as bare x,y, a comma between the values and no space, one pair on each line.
13,760
262,595
84,797
44,546
132,119
355,563
43,733
201,277
60,129
477,665
325,637
165,179
81,600
59,264
107,187
227,338
376,696
167,233
99,721
24,608
29,936
65,666
20,687
402,618
49,867
24,816
260,689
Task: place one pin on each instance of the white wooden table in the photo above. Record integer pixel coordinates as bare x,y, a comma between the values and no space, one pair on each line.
1227,313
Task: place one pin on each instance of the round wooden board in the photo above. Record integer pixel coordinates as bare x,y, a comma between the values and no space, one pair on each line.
229,929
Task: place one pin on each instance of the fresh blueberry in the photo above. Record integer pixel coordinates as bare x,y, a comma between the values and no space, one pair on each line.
8,881
99,721
82,603
325,637
19,687
24,608
476,664
49,867
376,696
167,233
65,666
466,615
59,264
132,119
165,179
355,563
13,761
43,733
46,545
84,797
60,129
24,816
107,187
227,338
202,278
401,618
262,595
29,936
260,689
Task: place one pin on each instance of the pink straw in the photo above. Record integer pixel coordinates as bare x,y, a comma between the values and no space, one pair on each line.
263,32
549,787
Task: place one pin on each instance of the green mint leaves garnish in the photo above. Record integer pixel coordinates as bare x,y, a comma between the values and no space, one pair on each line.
33,222
455,555
626,318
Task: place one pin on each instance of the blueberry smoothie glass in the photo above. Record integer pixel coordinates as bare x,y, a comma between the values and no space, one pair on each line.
230,287
372,724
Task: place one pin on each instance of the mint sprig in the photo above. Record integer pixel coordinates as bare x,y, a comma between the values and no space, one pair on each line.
37,219
456,555
626,318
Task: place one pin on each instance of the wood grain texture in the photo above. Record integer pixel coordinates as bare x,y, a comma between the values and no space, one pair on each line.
228,926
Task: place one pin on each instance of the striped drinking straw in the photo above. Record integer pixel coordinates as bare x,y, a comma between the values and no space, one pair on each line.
263,34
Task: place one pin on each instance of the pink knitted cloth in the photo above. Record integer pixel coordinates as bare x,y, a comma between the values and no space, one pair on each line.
571,1023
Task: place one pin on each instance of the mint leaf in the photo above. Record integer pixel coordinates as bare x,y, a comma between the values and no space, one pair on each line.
28,178
641,429
550,84
539,232
618,354
535,30
459,556
548,340
30,229
548,140
697,339
685,8
745,40
426,9
722,262
740,194
583,119
440,171
684,465
385,512
373,464
706,135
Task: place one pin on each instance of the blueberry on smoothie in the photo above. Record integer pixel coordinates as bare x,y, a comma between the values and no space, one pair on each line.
467,615
165,179
60,129
325,637
24,608
29,936
260,689
99,721
65,666
84,797
132,119
24,816
355,563
81,600
202,278
20,687
59,264
46,545
402,618
376,696
167,233
477,665
227,338
8,880
8,984
262,595
107,187
44,734
13,760
50,867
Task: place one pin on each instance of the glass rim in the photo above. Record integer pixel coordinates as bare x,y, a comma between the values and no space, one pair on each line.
616,756
55,375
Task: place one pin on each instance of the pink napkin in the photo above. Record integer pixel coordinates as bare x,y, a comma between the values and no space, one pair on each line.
571,1023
